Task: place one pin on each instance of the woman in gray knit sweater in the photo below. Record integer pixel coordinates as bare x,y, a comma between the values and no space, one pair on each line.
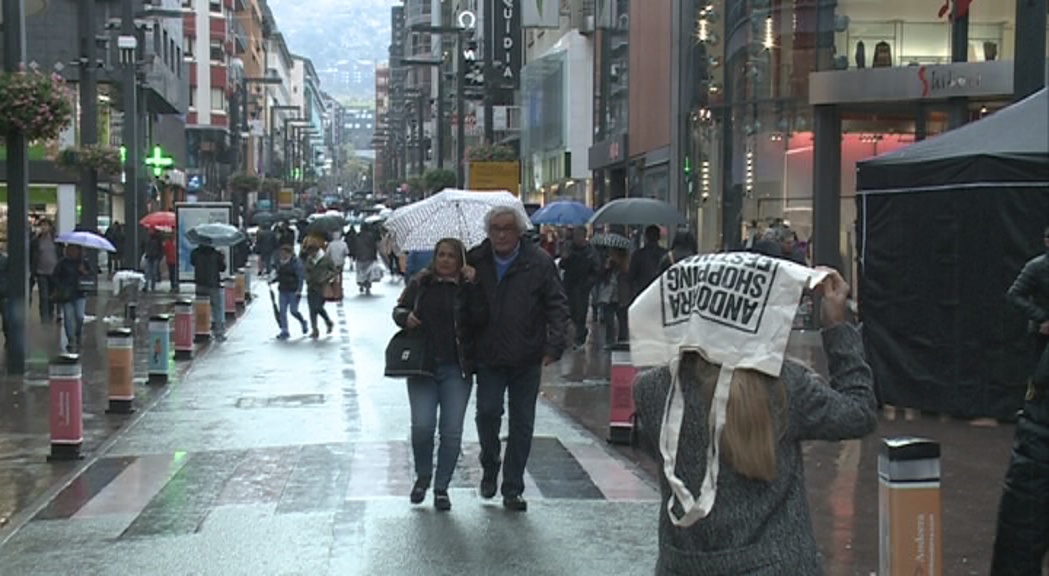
759,524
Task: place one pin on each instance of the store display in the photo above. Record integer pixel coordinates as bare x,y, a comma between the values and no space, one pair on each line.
861,55
882,55
990,51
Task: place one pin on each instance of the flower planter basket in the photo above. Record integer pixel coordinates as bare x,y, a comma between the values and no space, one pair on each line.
39,105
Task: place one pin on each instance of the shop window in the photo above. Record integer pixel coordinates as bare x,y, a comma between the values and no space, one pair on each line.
218,99
218,54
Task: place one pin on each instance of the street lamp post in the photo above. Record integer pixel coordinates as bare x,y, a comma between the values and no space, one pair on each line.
127,42
271,154
460,98
17,199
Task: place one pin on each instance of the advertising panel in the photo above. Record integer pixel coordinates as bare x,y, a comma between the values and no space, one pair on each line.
190,214
494,176
285,199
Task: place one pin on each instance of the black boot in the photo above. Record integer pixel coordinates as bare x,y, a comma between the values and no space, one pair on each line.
419,490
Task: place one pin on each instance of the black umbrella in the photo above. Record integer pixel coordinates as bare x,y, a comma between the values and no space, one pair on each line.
263,218
637,212
325,225
276,308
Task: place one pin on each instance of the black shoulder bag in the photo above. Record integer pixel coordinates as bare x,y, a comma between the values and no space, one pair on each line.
408,353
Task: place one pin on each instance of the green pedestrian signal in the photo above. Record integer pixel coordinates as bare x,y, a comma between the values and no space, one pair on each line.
159,162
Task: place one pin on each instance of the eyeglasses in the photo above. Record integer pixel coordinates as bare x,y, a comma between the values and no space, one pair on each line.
496,230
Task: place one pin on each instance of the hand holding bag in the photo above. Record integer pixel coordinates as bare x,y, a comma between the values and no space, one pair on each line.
408,353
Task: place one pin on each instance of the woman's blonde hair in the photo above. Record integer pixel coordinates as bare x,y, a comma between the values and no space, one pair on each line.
754,417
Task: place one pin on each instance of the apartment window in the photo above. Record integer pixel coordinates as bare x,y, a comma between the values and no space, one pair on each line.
187,4
192,97
217,53
215,6
178,62
218,99
187,46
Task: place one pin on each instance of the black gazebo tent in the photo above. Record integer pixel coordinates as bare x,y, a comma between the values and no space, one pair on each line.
944,227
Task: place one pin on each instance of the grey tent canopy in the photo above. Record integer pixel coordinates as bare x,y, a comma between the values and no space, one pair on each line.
1009,146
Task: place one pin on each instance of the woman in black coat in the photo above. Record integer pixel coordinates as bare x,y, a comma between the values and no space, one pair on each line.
443,302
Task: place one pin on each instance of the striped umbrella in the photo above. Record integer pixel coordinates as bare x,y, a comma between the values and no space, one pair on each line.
448,214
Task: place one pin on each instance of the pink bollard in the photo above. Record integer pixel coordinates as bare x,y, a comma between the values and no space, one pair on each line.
621,396
183,330
67,422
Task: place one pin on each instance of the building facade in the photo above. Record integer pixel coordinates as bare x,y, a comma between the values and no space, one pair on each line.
794,95
209,47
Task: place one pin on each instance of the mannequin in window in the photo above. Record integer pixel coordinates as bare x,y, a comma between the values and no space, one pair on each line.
990,51
882,55
861,54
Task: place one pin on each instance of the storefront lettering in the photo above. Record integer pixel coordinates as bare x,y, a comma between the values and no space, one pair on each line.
935,82
508,39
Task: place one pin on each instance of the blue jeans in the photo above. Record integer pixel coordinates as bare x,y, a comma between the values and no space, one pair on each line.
152,274
289,301
448,390
521,385
218,310
73,320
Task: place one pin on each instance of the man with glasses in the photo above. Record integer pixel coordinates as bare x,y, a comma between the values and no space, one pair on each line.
528,314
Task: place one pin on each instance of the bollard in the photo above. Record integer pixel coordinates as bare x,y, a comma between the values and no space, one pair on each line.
201,318
183,329
159,348
67,419
621,395
909,519
239,288
249,277
121,370
229,290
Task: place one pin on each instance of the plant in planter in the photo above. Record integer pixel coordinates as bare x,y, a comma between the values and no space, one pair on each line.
244,183
491,153
39,105
102,158
438,179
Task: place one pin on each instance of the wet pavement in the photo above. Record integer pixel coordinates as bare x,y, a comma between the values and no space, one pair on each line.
25,476
270,457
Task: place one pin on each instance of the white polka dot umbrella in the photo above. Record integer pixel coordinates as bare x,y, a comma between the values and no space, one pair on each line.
448,214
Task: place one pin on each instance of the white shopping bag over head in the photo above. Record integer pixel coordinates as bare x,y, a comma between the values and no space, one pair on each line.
736,309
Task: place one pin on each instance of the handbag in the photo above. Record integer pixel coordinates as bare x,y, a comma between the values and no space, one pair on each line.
408,353
332,292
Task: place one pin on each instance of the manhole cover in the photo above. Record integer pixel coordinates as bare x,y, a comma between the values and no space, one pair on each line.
289,401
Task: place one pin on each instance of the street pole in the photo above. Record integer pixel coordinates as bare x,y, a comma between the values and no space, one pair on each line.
421,140
460,110
438,126
489,66
88,112
17,200
128,44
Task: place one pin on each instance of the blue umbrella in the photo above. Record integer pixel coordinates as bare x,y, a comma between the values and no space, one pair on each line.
563,213
215,234
87,240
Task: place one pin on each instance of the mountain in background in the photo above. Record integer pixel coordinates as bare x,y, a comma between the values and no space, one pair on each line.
345,39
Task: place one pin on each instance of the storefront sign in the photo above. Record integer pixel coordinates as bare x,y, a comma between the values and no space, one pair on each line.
608,152
506,52
467,20
928,82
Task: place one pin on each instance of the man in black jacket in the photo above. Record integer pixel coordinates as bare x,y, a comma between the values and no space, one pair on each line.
525,331
581,268
645,263
208,266
1022,535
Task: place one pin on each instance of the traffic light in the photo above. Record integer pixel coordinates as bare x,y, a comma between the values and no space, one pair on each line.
688,176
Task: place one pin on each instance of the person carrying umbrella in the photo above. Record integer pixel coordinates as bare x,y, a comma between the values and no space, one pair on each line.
320,271
208,266
154,254
289,279
69,276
